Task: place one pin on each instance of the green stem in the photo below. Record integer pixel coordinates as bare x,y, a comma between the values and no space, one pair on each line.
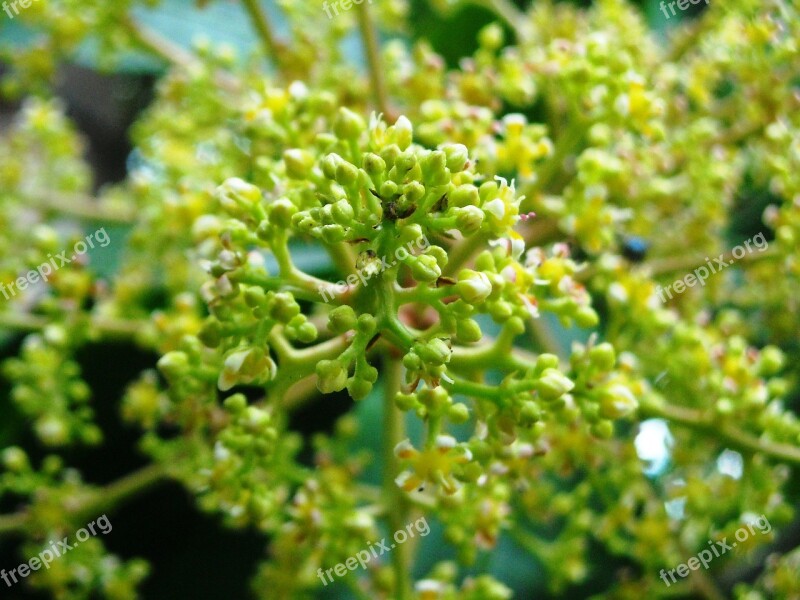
397,507
80,207
171,53
100,500
107,327
726,432
261,24
369,37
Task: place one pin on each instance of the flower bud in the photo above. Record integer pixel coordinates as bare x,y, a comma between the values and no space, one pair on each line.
403,132
298,163
332,234
617,402
211,333
329,164
388,189
469,219
174,365
413,191
434,352
348,125
553,384
473,286
373,164
457,157
434,168
332,377
366,324
284,307
341,319
15,460
458,414
464,195
439,253
586,317
342,212
405,402
346,173
237,197
425,268
280,213
358,388
468,331
603,356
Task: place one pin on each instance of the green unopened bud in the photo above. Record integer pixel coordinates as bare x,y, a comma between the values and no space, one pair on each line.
298,163
413,191
329,164
468,219
473,286
603,429
546,361
603,356
464,195
403,132
439,254
770,361
358,388
332,377
553,384
280,212
342,319
405,401
617,402
500,310
367,324
389,154
388,189
458,414
284,307
468,331
342,212
174,365
15,459
491,36
373,164
237,197
412,361
530,413
346,173
211,333
434,168
333,234
434,352
236,403
586,317
348,125
425,268
457,157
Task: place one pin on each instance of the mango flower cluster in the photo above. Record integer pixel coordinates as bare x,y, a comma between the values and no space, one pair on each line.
534,169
